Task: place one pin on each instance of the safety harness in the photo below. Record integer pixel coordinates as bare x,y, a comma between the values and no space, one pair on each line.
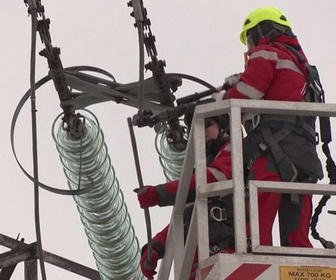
265,140
220,217
220,210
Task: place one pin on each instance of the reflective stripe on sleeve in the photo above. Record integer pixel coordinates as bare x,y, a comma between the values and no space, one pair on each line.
281,63
249,91
217,174
269,55
288,64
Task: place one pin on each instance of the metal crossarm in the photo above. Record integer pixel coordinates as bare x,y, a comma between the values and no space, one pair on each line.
22,252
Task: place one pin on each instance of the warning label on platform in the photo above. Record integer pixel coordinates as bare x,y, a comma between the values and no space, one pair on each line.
307,273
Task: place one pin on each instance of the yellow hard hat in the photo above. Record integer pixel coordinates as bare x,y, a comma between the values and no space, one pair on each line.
261,14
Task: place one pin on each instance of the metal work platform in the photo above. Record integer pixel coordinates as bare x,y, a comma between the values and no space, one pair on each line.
261,262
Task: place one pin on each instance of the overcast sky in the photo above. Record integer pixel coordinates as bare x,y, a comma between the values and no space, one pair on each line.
194,37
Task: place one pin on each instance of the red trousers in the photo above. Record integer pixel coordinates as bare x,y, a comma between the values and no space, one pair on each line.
294,220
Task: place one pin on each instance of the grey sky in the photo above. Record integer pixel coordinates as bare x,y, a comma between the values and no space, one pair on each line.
199,38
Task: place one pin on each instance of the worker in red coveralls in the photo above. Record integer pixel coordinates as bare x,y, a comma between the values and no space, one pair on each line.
221,233
277,147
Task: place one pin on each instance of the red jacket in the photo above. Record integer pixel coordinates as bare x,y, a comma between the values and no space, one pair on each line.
218,170
272,72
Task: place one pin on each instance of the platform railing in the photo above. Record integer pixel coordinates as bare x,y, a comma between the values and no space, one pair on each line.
182,253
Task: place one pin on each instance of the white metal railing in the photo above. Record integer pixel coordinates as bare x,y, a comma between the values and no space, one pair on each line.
299,188
182,254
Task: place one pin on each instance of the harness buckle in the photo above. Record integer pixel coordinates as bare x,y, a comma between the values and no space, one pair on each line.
221,214
262,146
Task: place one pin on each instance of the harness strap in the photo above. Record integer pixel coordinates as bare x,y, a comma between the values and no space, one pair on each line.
269,141
298,121
284,165
287,170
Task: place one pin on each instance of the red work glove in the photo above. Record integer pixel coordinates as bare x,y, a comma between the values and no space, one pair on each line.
148,269
147,196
